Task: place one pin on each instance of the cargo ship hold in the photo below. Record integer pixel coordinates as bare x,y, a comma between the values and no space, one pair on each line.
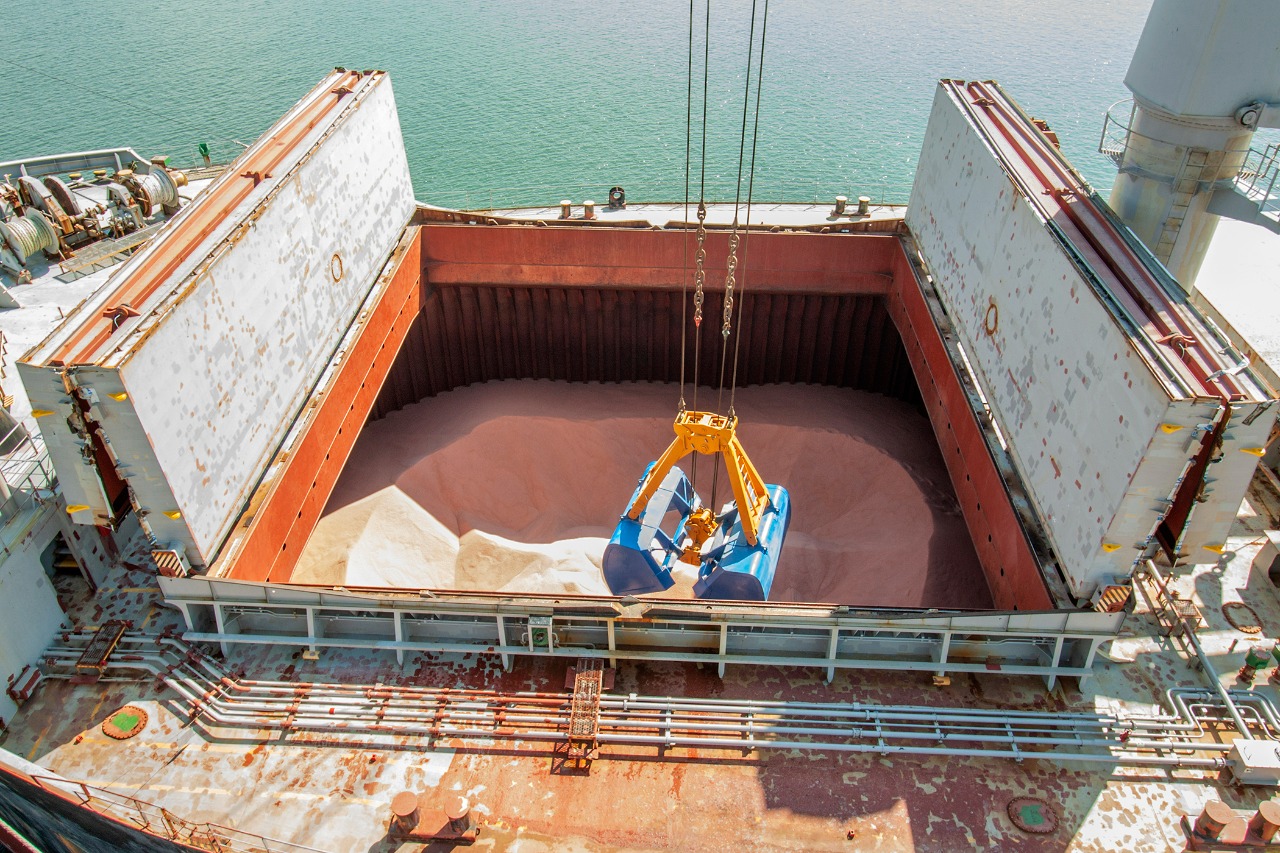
335,520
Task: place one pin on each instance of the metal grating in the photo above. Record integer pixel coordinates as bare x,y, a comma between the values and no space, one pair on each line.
98,651
171,562
584,711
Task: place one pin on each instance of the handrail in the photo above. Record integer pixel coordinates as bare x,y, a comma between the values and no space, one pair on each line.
1256,179
1260,169
661,192
156,820
27,472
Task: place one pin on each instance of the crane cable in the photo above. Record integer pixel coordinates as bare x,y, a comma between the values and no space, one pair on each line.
700,257
751,180
684,275
726,328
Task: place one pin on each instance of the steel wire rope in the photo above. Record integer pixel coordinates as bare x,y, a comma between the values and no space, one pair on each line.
684,241
726,328
751,182
701,256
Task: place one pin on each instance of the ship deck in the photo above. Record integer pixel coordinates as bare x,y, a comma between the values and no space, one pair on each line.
721,215
331,789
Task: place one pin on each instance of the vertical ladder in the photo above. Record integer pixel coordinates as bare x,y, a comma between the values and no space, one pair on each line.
1185,187
584,711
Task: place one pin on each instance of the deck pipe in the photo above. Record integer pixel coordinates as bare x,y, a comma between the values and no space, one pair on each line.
438,724
1206,666
893,721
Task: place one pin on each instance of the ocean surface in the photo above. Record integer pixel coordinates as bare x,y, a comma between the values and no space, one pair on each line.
506,102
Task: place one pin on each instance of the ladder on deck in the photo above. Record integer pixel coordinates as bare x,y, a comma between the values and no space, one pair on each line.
93,660
584,711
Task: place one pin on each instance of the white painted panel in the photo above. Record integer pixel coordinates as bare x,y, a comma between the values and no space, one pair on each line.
53,411
1207,57
1227,480
1078,405
1174,444
136,457
217,381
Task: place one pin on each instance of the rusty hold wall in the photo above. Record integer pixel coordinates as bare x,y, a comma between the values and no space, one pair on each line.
604,305
468,334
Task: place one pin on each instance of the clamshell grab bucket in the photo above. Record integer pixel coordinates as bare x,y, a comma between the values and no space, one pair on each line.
736,552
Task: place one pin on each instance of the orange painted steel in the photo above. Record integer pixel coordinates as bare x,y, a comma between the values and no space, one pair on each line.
284,518
1013,572
207,213
644,260
282,521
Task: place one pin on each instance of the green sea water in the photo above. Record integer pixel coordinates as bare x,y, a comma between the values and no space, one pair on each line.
507,102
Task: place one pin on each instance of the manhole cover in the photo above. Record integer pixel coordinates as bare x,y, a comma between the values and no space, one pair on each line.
1032,814
1242,617
125,723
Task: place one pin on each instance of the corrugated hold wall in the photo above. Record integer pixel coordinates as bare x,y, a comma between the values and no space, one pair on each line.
517,303
468,334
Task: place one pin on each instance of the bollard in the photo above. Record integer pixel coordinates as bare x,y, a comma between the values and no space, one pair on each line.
404,812
1215,815
864,205
458,811
566,209
588,209
1266,822
841,201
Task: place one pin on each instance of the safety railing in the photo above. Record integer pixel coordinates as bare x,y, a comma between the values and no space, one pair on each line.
1257,178
156,820
1117,131
27,472
1160,158
189,157
664,192
1050,644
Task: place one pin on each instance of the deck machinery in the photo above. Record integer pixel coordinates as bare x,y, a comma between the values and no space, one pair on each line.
1087,415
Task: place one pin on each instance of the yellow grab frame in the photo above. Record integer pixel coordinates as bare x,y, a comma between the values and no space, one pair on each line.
711,434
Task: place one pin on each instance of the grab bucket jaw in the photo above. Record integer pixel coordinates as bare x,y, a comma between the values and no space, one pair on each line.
630,566
735,570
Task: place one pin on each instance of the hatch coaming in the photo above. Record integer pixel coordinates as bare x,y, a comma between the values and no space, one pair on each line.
825,309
